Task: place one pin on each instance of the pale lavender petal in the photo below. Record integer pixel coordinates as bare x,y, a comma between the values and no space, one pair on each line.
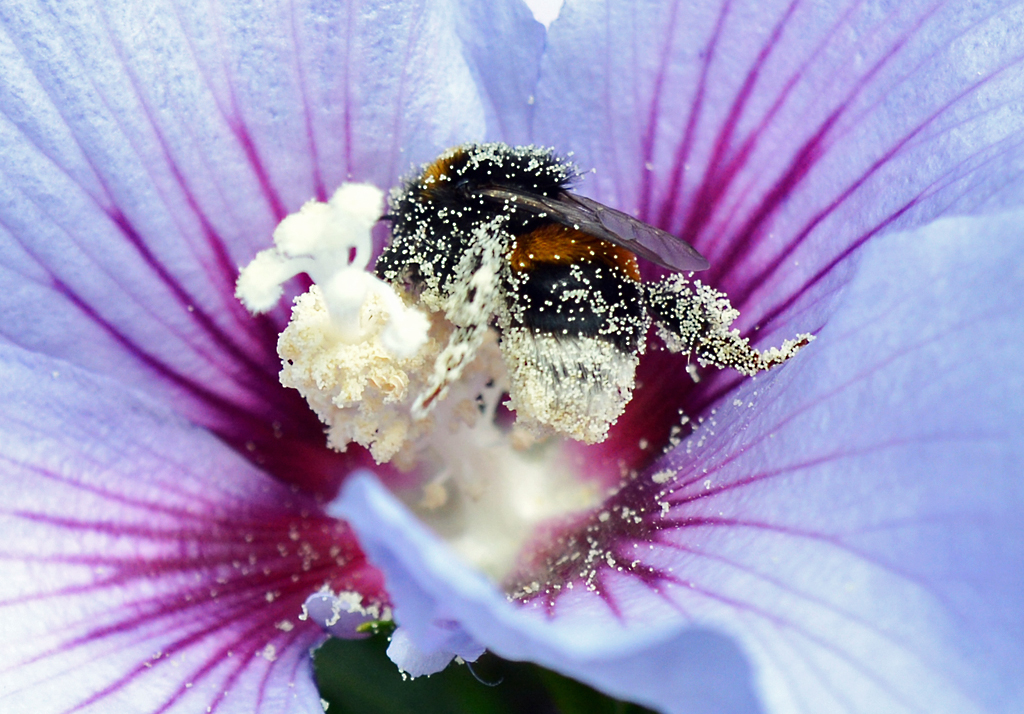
505,44
856,519
776,136
416,662
412,660
150,149
334,617
675,668
145,566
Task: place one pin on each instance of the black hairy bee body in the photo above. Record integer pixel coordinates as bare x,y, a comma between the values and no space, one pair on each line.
555,278
492,236
434,216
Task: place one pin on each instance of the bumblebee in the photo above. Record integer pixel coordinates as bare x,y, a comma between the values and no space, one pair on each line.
492,236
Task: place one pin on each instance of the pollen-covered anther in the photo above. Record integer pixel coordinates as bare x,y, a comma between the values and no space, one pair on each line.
361,390
345,383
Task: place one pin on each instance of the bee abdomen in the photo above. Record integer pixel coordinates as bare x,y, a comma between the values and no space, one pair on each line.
579,300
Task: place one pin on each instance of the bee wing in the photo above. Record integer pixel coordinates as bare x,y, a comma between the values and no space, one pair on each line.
606,223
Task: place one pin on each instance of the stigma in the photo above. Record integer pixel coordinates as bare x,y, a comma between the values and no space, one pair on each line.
331,243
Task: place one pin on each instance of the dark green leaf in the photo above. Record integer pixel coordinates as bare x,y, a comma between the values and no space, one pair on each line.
356,677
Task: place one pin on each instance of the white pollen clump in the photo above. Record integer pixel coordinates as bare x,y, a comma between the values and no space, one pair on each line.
663,476
360,390
331,243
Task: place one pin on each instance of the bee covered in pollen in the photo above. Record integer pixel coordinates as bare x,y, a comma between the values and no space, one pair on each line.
498,284
490,236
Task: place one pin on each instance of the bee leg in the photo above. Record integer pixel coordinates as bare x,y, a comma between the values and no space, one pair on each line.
697,319
469,305
448,367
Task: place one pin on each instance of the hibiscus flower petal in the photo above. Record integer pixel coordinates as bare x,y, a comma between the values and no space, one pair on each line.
863,511
146,566
150,150
776,136
853,520
505,44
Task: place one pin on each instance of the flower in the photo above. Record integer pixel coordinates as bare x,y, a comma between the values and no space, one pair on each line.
842,534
